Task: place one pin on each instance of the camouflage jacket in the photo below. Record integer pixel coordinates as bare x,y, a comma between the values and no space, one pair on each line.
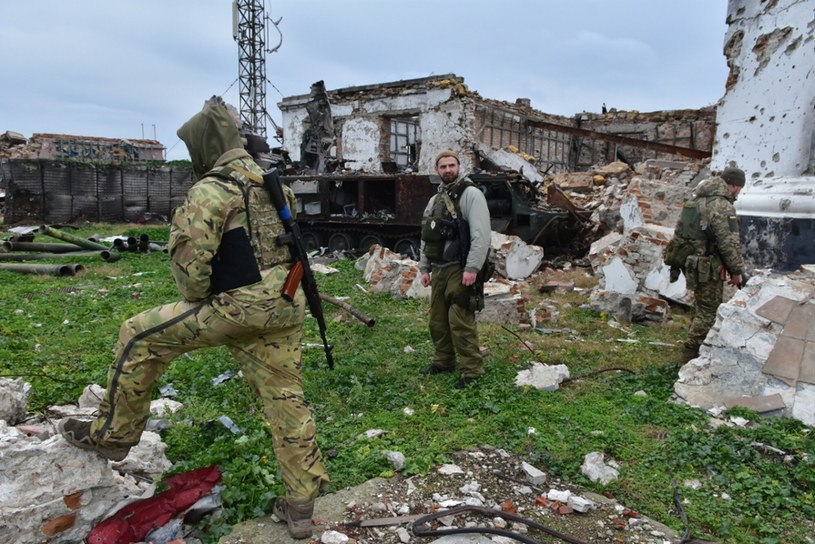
217,204
719,223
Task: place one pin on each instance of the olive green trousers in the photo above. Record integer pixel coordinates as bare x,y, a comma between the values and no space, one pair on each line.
453,327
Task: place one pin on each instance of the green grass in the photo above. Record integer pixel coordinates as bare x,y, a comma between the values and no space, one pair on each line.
59,333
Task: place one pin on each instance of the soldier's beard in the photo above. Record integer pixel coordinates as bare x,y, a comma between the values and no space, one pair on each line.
447,177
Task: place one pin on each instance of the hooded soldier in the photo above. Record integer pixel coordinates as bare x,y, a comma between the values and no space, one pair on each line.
230,272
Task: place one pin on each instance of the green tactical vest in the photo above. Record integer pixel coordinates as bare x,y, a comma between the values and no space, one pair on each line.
437,228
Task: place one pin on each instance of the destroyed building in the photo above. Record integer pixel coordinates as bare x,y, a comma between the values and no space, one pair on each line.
14,145
364,158
400,127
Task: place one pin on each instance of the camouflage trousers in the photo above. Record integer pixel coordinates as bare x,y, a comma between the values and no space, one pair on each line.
707,298
266,344
452,326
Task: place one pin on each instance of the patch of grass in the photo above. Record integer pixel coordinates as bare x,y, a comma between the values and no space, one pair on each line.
59,334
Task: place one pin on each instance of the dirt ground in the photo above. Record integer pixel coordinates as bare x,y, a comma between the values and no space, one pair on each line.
488,479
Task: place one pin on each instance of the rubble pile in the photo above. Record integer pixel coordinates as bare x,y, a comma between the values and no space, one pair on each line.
54,492
658,187
472,492
638,209
760,352
389,272
14,145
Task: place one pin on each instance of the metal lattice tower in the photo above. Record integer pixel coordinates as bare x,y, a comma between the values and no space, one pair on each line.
250,31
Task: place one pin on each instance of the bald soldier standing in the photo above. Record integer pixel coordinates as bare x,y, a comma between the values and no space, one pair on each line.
709,229
229,271
452,266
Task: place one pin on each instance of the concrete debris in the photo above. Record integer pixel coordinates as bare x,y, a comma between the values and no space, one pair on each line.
514,259
513,159
55,492
596,469
634,280
760,352
638,210
13,399
333,537
388,272
541,376
91,397
534,475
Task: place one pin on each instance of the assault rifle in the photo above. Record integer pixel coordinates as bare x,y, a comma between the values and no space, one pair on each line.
300,272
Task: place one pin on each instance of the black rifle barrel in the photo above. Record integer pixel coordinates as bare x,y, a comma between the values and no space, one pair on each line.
272,183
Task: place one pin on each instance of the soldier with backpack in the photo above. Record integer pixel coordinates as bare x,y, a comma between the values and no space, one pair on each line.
707,249
455,246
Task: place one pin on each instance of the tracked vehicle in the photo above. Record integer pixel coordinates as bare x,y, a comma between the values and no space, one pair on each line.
344,212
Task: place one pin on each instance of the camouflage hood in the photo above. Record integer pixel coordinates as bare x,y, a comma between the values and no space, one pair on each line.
714,186
208,135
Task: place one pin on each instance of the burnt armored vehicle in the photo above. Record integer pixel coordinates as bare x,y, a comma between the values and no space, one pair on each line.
356,211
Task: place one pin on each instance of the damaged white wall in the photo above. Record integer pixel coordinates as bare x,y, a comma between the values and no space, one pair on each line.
755,355
768,46
765,126
442,122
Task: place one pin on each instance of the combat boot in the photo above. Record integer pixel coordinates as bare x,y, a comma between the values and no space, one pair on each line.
78,433
296,516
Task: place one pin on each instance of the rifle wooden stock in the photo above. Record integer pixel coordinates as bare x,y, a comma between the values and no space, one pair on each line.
292,281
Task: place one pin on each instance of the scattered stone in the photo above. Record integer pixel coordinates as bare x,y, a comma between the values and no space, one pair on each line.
595,468
541,376
533,474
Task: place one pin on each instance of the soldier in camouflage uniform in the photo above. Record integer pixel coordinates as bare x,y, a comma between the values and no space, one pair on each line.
709,228
452,301
229,271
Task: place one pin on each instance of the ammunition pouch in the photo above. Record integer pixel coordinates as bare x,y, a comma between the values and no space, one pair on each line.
700,269
234,265
677,252
433,238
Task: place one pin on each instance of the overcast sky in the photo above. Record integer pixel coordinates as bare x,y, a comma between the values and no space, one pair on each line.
140,68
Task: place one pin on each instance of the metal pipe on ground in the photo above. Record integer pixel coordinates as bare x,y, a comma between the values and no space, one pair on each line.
110,255
45,269
64,236
40,256
119,244
54,247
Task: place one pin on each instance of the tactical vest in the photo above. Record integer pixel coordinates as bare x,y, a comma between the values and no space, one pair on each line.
231,266
438,228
